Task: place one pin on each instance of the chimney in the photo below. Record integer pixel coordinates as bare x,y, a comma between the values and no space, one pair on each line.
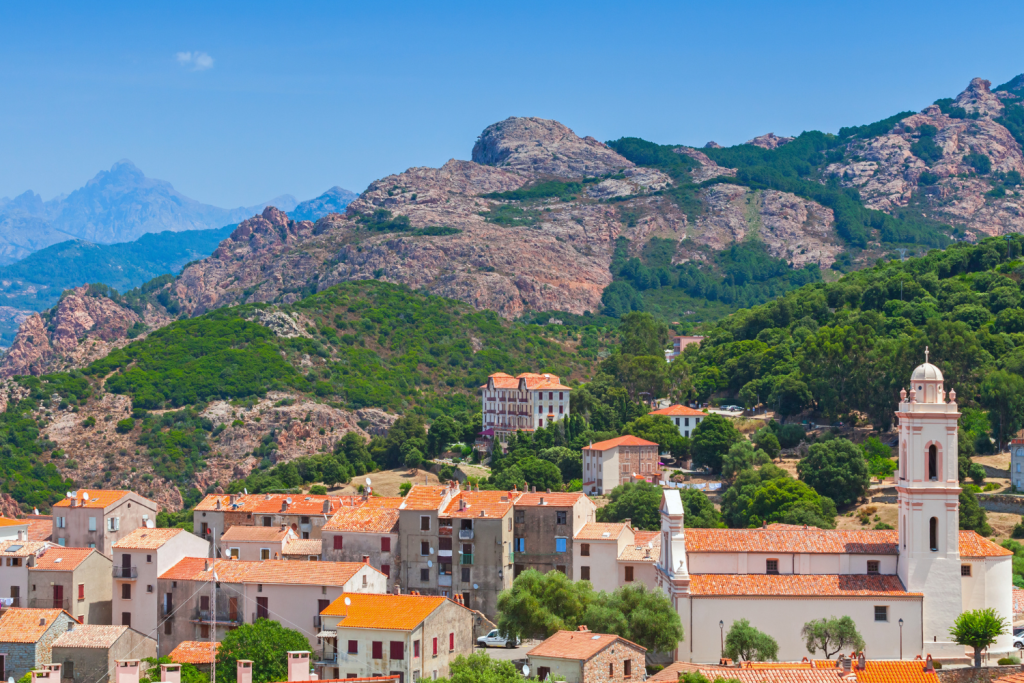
533,489
542,500
284,506
266,496
234,498
848,665
298,665
861,662
482,513
929,667
583,628
170,673
628,521
243,671
549,490
366,559
44,677
397,590
56,669
126,671
218,503
327,506
21,535
206,565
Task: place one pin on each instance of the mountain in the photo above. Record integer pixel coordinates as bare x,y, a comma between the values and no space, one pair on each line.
333,201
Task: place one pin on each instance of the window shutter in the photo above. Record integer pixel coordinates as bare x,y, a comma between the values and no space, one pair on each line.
81,591
451,641
337,542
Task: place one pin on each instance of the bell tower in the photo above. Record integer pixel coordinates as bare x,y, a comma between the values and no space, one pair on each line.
928,498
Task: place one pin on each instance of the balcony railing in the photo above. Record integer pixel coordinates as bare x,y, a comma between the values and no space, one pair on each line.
49,603
467,558
126,572
206,616
444,580
465,534
15,602
444,531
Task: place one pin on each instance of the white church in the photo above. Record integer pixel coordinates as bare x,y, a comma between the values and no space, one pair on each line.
903,588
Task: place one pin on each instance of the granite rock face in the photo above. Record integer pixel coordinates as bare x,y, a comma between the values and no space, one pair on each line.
768,141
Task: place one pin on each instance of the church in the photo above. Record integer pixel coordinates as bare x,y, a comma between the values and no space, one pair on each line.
903,588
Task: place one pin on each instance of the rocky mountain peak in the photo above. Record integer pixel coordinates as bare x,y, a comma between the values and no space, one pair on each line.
978,98
768,141
536,146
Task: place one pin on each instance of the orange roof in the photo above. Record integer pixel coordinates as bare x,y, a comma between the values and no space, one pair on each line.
59,558
973,545
600,531
383,610
7,521
533,380
679,410
485,504
147,539
639,552
795,673
40,528
241,532
194,652
791,539
579,645
888,671
299,505
565,500
303,546
393,502
271,502
22,625
13,548
98,498
1011,678
620,441
796,585
423,497
90,636
372,520
267,571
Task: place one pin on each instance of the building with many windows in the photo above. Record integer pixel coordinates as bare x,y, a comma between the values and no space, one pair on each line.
683,417
525,402
610,463
94,518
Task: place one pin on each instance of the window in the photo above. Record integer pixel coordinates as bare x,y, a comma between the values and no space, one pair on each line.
560,545
872,566
397,649
415,649
385,569
126,591
521,516
560,568
560,410
520,545
92,524
378,649
233,553
451,640
611,669
424,575
353,647
881,613
585,573
385,544
686,422
81,591
933,463
551,395
771,567
149,559
444,543
585,549
965,570
266,521
560,517
627,667
629,573
435,651
113,523
126,619
424,523
510,524
338,542
168,627
264,553
933,533
466,575
540,410
204,631
424,547
149,588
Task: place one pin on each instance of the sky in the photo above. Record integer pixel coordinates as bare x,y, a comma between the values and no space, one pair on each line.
236,103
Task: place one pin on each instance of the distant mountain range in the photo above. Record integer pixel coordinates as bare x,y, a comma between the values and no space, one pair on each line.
122,205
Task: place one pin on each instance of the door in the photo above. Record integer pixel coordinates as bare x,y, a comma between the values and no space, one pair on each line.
321,605
58,596
262,609
232,609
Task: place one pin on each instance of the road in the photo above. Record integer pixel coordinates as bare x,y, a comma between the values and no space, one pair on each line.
510,654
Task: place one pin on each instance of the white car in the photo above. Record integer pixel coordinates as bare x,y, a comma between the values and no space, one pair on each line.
494,639
1018,641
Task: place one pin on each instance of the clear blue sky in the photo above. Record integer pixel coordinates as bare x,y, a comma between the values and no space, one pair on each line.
237,103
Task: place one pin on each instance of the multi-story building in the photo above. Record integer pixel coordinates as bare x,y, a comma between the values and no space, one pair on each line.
596,552
293,593
418,518
610,463
525,402
139,560
93,518
683,417
253,543
544,527
76,580
15,558
413,636
367,534
679,344
15,529
1017,463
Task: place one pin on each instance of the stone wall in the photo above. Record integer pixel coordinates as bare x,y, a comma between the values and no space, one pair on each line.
1001,502
985,674
595,670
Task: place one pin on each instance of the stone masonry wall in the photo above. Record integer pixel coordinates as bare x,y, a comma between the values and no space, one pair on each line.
985,674
596,670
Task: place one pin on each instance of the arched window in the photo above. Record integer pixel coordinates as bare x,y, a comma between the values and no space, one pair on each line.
933,532
933,463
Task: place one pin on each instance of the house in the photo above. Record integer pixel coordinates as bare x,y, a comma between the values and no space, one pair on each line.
199,653
596,549
1017,463
679,344
16,556
609,463
418,520
76,580
253,543
303,550
139,560
584,657
525,402
683,417
88,653
367,533
293,593
13,529
637,561
545,525
413,636
93,518
26,638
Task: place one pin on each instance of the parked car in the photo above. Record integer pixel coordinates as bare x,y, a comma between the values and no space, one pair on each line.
1018,641
494,639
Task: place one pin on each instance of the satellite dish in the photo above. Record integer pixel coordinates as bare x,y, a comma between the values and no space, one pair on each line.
348,601
69,494
526,670
288,500
367,481
245,491
430,563
475,587
35,511
85,495
149,524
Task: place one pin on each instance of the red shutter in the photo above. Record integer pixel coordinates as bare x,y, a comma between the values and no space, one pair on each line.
81,591
397,649
435,646
378,649
415,648
337,542
385,569
451,641
353,647
385,544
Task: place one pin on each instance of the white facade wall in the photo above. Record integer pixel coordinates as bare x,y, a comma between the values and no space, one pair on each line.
789,563
643,572
604,555
1017,464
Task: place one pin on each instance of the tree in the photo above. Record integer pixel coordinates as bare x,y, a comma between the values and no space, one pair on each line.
1002,393
700,512
480,668
791,395
742,456
637,613
978,628
444,431
659,429
836,469
266,643
879,457
540,473
641,334
712,439
770,495
189,673
765,439
972,515
568,461
636,501
744,642
831,635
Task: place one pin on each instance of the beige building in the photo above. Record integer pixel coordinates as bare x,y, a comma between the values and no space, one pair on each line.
16,556
584,657
525,402
93,518
367,533
88,653
610,463
684,418
139,560
76,580
253,543
545,525
293,593
412,636
418,520
596,550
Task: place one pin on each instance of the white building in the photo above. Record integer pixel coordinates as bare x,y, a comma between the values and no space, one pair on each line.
1017,463
525,402
598,547
903,588
684,418
618,461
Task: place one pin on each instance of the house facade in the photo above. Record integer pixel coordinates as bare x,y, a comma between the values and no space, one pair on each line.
367,534
253,543
525,402
419,522
584,657
95,518
1017,463
16,556
88,653
683,417
76,580
545,526
27,636
609,463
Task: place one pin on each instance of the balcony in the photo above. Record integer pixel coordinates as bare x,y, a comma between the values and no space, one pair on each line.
444,580
444,531
465,534
126,572
467,558
444,553
205,616
15,602
48,603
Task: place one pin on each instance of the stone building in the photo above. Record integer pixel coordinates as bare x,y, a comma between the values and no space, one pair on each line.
27,636
73,579
545,525
609,463
94,518
584,657
368,533
88,653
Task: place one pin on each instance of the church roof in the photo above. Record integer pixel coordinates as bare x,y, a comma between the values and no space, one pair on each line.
791,539
974,545
818,671
799,585
926,371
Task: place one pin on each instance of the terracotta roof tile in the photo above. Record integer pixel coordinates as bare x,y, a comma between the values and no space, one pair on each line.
98,498
271,502
1012,678
888,671
393,502
194,652
40,528
565,500
469,504
21,625
639,552
579,645
371,520
147,539
14,548
269,534
679,410
797,674
596,531
423,497
267,571
303,546
619,441
848,585
7,521
59,558
383,611
973,545
90,636
791,540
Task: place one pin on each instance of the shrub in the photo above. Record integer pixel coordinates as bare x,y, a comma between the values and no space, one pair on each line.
89,422
126,425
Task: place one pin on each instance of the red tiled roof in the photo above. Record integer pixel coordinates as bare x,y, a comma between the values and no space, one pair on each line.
639,552
595,531
467,504
59,558
22,625
267,571
888,671
791,540
23,548
579,645
90,636
370,520
565,500
269,534
797,585
382,610
147,539
271,502
40,527
98,498
194,652
423,497
973,545
7,521
619,441
393,502
534,381
1011,678
796,674
303,546
679,410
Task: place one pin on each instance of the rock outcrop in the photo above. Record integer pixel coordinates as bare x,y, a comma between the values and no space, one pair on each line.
768,141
